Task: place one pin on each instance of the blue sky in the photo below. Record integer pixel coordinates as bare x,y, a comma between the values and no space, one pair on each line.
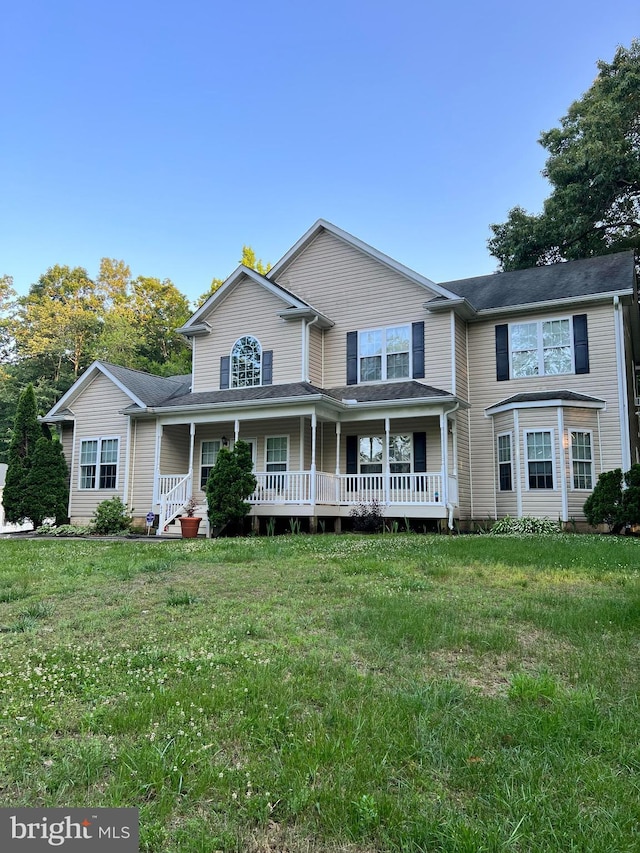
170,134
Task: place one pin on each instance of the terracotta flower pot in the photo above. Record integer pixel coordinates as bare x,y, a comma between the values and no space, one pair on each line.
189,525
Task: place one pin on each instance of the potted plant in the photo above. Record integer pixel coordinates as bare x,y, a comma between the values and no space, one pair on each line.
188,522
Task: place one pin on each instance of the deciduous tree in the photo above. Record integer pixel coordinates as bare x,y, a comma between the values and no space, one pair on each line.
594,171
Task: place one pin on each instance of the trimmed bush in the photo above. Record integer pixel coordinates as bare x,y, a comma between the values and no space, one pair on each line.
367,518
229,485
111,517
605,505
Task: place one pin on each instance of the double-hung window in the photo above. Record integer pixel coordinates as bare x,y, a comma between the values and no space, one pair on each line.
99,463
384,353
541,348
371,455
582,460
505,465
540,459
208,456
277,453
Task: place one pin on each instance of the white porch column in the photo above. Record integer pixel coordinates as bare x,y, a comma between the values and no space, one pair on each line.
192,440
301,453
385,456
236,430
444,448
338,433
314,428
156,464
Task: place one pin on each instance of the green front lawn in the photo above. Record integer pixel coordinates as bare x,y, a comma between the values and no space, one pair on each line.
328,693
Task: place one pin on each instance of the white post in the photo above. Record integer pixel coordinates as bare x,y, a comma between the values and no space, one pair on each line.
385,456
236,430
156,465
338,432
192,439
314,427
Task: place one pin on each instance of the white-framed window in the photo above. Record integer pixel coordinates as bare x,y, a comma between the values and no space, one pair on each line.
246,363
208,455
384,353
276,453
582,459
539,448
371,454
505,462
99,463
541,348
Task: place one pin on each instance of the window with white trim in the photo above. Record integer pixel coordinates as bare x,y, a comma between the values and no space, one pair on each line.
246,362
539,447
542,348
371,456
505,464
99,463
208,455
384,353
277,453
582,459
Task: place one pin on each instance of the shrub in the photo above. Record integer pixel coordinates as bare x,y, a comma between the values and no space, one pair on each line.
111,516
229,485
631,496
604,505
525,524
367,518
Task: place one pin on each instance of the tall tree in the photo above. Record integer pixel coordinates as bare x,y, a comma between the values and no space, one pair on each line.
160,309
248,259
8,298
26,432
59,320
594,171
46,490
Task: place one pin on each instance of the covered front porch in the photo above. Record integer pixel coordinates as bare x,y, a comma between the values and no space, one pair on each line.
316,464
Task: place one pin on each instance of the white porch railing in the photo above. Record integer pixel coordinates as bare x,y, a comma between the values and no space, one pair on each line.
174,490
282,487
295,487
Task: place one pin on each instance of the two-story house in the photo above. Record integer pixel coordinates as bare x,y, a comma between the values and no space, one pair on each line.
355,379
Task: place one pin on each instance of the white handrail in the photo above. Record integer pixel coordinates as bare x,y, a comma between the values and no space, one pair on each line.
173,500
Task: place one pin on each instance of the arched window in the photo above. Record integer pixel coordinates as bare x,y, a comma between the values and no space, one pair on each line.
246,362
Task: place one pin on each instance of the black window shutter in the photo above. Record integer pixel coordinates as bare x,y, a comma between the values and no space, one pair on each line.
352,454
502,352
267,367
581,343
417,341
352,358
419,452
224,371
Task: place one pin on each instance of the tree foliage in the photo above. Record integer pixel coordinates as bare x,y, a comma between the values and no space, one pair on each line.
46,490
594,171
604,504
26,432
229,485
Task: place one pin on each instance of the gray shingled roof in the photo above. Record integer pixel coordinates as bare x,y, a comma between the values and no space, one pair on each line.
545,396
386,391
152,390
609,273
359,393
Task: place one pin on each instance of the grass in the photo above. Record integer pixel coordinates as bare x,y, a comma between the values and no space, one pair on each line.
305,694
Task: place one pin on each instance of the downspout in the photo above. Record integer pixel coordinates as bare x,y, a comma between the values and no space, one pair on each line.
445,461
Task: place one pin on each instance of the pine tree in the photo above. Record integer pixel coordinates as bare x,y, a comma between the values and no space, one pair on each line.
46,493
26,432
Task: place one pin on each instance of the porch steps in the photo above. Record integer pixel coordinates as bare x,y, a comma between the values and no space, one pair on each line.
173,530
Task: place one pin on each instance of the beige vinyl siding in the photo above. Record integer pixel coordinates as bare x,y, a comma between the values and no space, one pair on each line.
97,415
464,472
249,309
584,420
141,470
174,449
506,503
316,367
540,502
486,391
357,293
462,374
66,439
